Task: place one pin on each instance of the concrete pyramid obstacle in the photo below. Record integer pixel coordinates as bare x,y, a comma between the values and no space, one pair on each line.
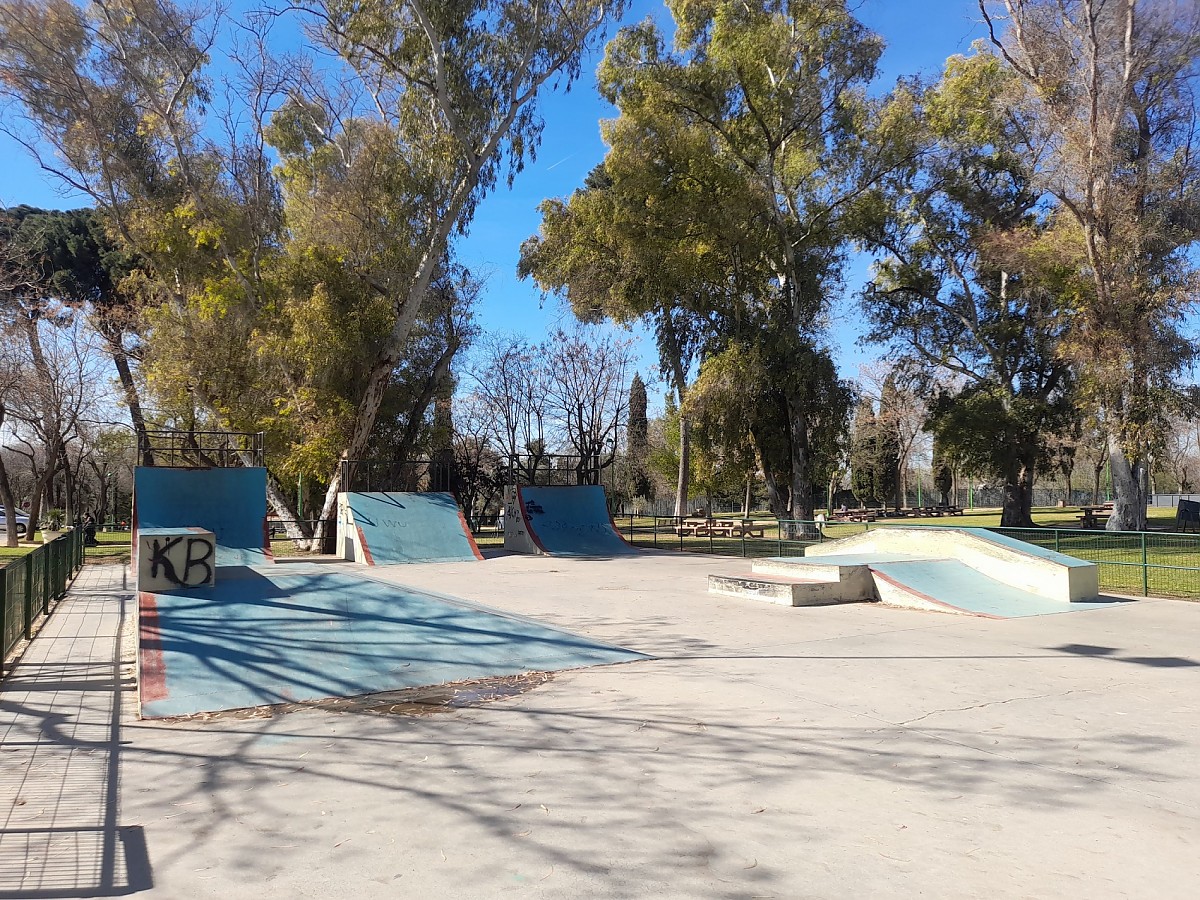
967,571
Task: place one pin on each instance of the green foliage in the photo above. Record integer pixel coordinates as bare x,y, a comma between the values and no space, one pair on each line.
638,437
864,479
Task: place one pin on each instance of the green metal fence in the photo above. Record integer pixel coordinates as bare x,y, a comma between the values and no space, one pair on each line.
31,582
1155,564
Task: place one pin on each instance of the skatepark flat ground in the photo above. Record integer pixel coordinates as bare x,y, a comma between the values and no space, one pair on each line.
766,751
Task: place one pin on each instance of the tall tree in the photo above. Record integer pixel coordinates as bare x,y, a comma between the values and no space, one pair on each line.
638,440
79,264
614,253
864,453
760,107
440,104
1106,92
973,286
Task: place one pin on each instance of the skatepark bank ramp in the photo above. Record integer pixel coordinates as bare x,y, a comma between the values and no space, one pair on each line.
386,528
570,520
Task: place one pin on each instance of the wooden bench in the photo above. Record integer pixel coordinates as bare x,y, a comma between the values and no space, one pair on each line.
1091,520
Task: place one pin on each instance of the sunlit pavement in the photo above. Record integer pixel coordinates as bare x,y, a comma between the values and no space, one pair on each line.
841,751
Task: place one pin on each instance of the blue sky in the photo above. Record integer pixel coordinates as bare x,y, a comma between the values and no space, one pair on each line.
919,34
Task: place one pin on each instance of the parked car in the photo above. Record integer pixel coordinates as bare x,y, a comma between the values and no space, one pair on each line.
22,523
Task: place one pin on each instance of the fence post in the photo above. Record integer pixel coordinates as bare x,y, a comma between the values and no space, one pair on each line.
1056,534
1145,568
28,611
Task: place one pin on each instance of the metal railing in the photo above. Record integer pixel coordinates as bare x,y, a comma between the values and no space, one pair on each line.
417,474
1150,564
559,469
207,449
31,582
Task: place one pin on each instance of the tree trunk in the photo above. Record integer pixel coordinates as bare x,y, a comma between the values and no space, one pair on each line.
132,400
1017,511
801,506
685,466
1129,502
8,500
416,417
35,500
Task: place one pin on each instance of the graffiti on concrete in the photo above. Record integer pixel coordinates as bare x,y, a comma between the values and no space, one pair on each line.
159,556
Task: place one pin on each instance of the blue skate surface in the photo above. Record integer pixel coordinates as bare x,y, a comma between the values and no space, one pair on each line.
268,635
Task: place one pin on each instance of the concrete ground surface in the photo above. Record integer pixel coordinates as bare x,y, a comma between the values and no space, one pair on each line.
767,751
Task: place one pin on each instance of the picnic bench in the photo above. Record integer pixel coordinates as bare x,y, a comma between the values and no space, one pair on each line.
855,517
695,527
1092,516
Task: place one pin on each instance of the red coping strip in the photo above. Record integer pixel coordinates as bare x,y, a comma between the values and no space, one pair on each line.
462,519
266,540
153,674
528,524
362,541
934,601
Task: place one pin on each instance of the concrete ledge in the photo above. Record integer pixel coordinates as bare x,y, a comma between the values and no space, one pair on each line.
789,591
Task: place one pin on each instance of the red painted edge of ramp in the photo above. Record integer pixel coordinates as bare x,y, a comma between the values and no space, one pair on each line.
537,542
950,606
267,541
613,523
362,542
462,520
152,674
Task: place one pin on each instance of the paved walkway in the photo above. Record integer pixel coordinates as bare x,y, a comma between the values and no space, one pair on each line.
60,714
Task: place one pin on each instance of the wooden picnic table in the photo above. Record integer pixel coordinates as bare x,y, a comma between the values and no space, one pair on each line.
1090,519
698,527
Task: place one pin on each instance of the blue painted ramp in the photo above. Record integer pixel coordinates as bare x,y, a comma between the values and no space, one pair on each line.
571,521
396,527
950,583
265,636
231,503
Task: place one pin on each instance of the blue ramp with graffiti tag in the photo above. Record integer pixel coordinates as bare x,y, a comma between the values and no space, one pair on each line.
231,503
407,527
571,521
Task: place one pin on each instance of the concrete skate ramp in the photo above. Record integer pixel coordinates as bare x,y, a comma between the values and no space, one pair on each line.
947,585
276,635
571,521
1017,564
392,528
231,503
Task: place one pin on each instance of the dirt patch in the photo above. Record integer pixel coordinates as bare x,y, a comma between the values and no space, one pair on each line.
419,701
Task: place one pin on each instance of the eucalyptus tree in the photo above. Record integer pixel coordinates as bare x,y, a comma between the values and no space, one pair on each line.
453,89
971,284
1107,94
746,147
612,254
426,106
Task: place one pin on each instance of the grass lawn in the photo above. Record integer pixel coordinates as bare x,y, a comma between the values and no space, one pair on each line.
1158,563
112,547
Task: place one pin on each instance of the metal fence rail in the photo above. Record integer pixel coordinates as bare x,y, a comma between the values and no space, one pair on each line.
1154,564
29,583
